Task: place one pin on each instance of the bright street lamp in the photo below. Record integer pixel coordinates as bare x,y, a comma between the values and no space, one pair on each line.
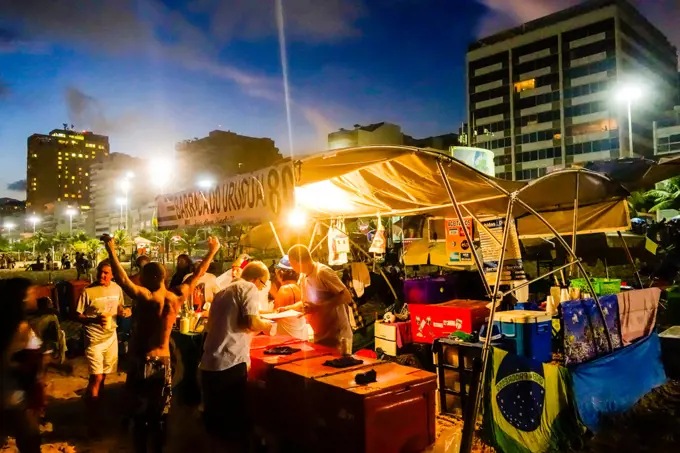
206,184
629,93
125,184
70,212
122,202
9,226
160,171
34,220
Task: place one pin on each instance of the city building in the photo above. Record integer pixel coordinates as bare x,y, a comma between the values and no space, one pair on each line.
62,217
441,142
373,134
222,154
667,135
547,94
119,195
387,134
58,167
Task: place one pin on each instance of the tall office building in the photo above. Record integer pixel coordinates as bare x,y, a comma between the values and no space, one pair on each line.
120,196
58,167
222,154
542,95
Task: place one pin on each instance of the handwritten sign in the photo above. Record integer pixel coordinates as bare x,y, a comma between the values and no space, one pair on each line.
513,268
254,197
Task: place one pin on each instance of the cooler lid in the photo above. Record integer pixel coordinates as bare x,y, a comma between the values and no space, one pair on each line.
522,316
312,368
673,332
389,376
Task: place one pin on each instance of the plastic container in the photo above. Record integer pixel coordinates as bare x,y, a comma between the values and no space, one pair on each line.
602,286
530,331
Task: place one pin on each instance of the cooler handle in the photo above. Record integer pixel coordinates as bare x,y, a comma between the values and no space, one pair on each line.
514,329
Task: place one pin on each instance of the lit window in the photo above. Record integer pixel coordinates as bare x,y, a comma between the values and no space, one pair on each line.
77,137
87,174
63,142
90,145
525,85
65,195
58,199
35,155
73,154
80,155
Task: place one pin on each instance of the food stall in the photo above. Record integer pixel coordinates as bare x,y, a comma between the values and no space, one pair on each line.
395,180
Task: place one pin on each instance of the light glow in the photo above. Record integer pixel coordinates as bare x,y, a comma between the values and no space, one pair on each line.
629,92
297,218
120,201
160,172
323,196
206,184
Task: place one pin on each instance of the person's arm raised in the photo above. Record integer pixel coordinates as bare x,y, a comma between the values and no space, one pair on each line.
132,290
213,247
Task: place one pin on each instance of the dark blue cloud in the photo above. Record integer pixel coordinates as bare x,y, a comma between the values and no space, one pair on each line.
17,186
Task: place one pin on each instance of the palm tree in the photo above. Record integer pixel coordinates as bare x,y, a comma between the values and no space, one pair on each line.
162,241
666,197
639,204
40,241
61,240
121,238
190,238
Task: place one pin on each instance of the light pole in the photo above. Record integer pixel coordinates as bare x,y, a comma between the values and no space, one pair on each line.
121,202
125,185
70,212
34,220
629,93
9,226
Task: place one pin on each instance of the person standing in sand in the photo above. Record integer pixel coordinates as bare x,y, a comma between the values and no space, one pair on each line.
149,379
97,307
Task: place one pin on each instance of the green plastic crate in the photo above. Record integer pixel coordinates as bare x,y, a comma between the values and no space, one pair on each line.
602,286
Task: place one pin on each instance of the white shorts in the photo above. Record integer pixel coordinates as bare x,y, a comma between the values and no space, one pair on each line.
102,358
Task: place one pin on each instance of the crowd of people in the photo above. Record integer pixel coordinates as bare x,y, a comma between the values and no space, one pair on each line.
233,303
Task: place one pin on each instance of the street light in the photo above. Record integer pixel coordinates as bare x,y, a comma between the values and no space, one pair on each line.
206,184
9,226
125,184
160,171
629,93
120,201
70,212
34,220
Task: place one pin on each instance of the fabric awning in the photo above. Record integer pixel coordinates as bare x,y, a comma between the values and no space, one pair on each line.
400,180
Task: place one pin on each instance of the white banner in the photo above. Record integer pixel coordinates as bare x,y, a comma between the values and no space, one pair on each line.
254,197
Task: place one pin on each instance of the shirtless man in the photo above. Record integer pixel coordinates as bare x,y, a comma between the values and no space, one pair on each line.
149,379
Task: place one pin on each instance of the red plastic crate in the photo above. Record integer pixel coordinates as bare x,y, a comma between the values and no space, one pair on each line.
429,322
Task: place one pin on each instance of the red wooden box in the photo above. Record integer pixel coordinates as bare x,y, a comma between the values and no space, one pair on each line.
429,322
394,414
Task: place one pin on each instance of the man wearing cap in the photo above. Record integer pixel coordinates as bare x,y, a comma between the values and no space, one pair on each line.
235,272
287,296
325,298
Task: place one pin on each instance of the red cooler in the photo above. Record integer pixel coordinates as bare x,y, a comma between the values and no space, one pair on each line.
394,414
429,322
263,394
293,382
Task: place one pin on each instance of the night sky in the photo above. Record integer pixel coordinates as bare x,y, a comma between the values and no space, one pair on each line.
149,73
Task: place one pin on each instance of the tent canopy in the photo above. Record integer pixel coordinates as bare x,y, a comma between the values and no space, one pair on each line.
637,173
401,180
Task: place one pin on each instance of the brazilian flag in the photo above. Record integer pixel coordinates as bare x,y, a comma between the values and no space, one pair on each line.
528,406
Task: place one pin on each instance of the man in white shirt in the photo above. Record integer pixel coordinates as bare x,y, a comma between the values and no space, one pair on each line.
98,306
226,358
325,299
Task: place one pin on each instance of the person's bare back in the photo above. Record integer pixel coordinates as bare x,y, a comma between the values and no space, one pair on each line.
156,306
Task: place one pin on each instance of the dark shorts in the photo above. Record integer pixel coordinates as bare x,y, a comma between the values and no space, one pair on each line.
149,383
225,403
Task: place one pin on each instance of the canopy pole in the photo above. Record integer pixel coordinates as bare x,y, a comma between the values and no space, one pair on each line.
573,231
496,291
456,207
311,240
630,258
276,236
564,244
358,247
318,244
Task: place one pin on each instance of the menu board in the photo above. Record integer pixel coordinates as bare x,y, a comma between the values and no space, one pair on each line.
513,269
458,249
